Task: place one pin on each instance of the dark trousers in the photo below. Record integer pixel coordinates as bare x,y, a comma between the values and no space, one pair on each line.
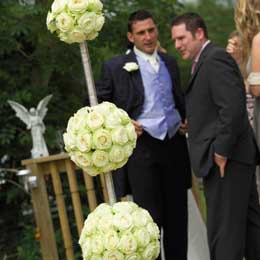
233,213
159,173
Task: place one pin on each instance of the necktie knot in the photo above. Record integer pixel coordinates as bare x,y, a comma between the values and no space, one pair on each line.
154,63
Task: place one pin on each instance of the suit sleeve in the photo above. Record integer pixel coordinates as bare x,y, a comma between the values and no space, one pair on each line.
228,94
104,86
180,94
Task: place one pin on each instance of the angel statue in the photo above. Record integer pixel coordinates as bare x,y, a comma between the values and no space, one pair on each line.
34,121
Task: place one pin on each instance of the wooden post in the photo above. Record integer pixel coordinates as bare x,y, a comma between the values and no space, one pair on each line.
66,234
92,200
43,216
104,188
75,195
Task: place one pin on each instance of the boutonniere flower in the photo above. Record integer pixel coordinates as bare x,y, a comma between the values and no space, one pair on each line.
131,66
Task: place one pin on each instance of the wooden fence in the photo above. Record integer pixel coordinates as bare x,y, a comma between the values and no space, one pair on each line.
52,167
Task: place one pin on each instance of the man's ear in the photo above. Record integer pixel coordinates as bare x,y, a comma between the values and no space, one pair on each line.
130,37
200,34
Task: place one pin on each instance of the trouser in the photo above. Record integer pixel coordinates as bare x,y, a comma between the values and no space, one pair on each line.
233,213
159,175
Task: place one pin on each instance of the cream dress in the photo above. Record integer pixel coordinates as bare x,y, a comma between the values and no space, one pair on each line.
254,79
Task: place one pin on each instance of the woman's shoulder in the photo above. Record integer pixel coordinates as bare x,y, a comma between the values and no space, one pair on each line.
256,40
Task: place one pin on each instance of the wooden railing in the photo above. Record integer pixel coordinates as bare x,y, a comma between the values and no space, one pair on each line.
53,167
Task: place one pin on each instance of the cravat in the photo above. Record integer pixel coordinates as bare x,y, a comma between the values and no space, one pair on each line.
154,63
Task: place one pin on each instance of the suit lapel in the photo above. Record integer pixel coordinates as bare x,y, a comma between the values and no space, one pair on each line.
135,76
199,64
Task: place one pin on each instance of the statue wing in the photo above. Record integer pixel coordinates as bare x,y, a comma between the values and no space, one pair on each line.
21,111
42,106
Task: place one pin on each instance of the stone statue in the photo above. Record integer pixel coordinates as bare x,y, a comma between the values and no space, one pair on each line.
34,121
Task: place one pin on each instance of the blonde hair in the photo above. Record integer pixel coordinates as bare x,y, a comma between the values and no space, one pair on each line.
247,19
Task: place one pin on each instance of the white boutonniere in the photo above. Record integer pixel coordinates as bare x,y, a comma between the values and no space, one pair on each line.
131,66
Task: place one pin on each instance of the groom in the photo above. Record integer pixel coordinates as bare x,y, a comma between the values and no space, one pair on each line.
146,84
222,147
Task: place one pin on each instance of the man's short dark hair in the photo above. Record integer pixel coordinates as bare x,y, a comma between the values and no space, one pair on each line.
136,16
192,21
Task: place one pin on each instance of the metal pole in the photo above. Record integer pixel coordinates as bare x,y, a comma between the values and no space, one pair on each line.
93,101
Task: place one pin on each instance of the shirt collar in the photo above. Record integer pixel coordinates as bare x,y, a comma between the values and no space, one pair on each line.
202,48
146,56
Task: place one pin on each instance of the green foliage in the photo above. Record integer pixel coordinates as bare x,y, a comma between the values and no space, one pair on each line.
28,248
34,64
220,23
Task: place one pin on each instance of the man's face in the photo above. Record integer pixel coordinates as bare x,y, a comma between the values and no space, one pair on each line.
144,35
187,44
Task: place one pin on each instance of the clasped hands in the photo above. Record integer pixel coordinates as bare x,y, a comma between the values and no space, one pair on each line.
139,129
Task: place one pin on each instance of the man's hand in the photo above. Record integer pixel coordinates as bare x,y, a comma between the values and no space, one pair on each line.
138,127
183,127
221,163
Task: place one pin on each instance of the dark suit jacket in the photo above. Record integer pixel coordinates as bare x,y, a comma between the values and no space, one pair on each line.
216,112
126,90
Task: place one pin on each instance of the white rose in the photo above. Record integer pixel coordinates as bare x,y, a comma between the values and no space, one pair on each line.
83,160
69,141
76,123
83,112
91,36
124,116
112,120
141,217
121,164
105,223
124,207
131,66
109,167
50,21
84,142
113,255
142,237
91,170
90,226
116,154
152,251
100,158
102,210
119,135
58,6
127,244
105,108
77,6
111,240
95,5
87,22
128,149
134,256
100,20
153,229
64,22
76,35
102,139
97,244
96,257
131,132
95,120
122,221
86,248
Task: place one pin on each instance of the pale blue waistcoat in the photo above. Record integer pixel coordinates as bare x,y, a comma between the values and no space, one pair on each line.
159,115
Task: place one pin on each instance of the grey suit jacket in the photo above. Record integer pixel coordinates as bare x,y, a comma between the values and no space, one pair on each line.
216,112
